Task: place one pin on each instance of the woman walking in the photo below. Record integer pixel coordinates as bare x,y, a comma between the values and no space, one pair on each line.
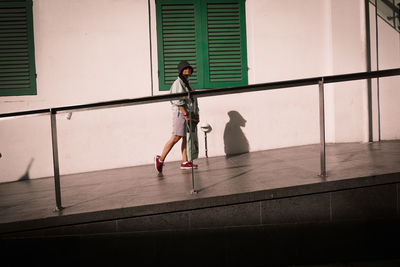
181,116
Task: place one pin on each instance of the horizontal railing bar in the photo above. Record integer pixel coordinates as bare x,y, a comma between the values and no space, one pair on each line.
255,87
99,105
298,83
121,103
214,92
26,113
361,75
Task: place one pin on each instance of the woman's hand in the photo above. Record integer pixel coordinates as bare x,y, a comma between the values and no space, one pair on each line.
187,118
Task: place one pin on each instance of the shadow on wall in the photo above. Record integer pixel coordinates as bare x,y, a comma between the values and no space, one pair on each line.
26,175
234,139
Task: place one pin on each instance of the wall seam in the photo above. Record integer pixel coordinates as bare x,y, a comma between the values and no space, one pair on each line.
151,51
330,207
397,198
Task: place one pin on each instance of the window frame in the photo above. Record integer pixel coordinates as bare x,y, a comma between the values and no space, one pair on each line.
202,48
31,68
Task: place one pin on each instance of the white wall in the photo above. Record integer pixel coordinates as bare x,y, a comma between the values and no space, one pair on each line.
287,39
389,91
348,55
385,108
88,51
374,67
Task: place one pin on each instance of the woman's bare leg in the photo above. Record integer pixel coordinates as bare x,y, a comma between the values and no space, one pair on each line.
169,145
184,150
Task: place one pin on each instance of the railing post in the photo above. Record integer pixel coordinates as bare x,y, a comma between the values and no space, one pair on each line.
53,119
193,191
322,127
205,144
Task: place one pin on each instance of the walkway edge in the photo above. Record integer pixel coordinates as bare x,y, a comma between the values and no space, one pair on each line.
7,229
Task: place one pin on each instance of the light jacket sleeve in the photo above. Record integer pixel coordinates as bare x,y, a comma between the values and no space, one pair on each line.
177,87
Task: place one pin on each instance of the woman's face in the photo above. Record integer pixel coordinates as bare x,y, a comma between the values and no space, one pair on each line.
187,72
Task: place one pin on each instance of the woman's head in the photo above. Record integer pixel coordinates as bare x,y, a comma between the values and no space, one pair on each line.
185,68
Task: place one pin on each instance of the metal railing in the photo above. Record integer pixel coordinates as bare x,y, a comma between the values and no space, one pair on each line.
320,81
389,11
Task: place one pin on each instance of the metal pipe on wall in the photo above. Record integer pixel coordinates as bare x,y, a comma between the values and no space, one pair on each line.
56,165
322,127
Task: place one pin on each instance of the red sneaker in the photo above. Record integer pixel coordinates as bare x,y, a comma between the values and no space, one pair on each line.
158,164
188,165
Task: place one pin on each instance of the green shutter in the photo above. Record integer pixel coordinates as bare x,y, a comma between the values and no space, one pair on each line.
17,68
226,44
178,40
210,34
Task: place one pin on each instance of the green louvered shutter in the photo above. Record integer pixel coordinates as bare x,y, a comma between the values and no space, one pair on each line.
226,44
17,67
178,39
210,34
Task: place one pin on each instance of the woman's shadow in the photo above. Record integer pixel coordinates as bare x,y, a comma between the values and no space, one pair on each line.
234,139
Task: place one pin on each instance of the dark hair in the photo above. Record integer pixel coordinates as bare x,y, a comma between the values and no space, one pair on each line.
183,65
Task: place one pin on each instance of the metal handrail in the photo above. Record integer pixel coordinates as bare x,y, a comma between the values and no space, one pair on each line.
320,81
211,92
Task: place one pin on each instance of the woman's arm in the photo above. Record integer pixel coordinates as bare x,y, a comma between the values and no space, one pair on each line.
184,112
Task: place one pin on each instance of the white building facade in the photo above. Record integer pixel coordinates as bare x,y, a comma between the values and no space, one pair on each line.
88,51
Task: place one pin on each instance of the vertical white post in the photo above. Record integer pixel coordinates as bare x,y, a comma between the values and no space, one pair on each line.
322,127
193,191
53,120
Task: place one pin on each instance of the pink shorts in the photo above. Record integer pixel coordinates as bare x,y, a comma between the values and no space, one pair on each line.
178,124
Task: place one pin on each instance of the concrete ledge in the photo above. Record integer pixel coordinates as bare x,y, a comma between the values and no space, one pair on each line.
358,199
340,244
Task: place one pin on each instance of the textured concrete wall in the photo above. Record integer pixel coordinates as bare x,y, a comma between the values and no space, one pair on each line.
360,199
345,221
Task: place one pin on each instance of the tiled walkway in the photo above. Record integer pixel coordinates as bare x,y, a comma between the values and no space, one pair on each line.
218,176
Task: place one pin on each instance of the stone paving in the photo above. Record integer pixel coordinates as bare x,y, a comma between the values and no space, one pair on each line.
217,176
